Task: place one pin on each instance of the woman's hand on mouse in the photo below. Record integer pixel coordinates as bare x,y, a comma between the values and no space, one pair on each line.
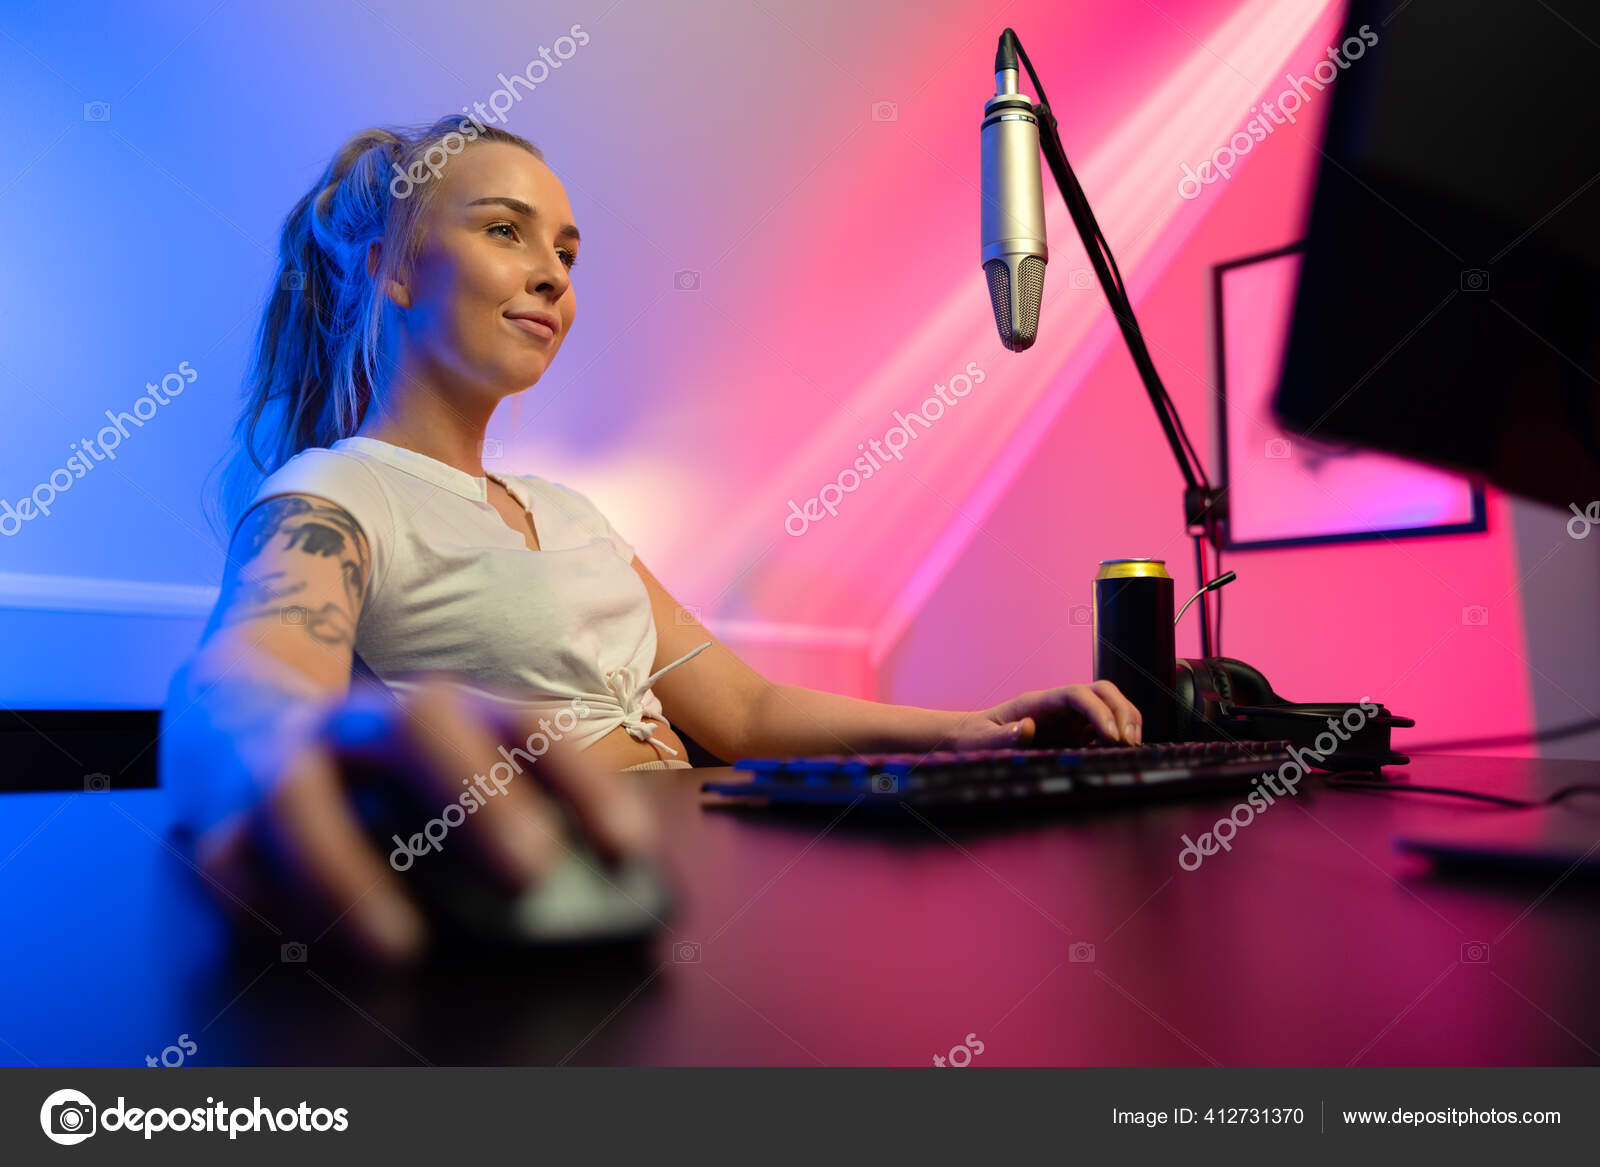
302,854
1066,716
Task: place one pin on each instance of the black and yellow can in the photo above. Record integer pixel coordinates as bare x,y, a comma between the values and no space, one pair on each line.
1134,646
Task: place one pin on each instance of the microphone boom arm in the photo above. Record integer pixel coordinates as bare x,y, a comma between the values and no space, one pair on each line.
1203,504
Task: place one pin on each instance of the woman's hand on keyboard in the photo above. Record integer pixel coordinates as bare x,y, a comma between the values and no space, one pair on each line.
1069,715
303,854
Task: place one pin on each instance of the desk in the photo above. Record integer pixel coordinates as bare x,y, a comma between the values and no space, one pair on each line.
807,942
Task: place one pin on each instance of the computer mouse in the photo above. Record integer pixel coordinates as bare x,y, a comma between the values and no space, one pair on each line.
582,901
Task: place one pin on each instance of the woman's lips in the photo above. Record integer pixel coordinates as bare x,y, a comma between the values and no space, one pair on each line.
533,327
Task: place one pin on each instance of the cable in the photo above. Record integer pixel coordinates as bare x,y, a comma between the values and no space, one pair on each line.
1217,642
1200,582
1200,497
1499,800
1554,733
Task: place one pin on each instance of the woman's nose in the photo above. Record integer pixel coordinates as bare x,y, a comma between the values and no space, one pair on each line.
550,276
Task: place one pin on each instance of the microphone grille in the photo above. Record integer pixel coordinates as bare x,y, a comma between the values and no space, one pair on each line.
1000,297
1030,285
1030,291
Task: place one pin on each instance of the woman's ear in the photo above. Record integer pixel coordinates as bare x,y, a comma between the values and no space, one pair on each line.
397,290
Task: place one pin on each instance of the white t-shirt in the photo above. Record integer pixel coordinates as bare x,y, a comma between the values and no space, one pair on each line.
453,588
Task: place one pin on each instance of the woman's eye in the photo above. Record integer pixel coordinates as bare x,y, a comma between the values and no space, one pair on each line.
568,258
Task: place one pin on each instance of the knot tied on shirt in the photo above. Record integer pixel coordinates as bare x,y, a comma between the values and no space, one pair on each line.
629,694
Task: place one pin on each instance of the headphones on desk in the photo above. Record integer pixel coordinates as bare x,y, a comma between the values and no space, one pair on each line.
1223,699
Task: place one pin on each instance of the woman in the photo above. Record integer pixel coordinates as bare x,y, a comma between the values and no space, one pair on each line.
425,278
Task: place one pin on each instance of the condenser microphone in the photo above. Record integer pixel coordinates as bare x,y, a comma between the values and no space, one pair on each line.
1014,251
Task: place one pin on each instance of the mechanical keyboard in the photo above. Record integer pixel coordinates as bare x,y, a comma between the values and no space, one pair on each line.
993,779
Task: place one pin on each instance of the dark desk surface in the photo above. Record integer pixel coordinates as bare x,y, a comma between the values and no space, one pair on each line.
1313,942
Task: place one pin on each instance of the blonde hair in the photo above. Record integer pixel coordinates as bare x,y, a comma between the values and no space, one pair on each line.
318,349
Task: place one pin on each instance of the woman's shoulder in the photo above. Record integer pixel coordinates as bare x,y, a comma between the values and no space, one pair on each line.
318,464
343,478
349,483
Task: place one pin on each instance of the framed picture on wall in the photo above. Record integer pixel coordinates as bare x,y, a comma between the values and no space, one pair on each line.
1286,490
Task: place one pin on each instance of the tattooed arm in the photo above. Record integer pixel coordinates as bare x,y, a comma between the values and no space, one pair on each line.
263,737
296,578
275,655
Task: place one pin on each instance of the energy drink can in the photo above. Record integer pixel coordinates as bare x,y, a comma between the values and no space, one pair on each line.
1134,646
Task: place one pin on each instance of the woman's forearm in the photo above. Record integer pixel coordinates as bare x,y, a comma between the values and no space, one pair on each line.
789,721
227,717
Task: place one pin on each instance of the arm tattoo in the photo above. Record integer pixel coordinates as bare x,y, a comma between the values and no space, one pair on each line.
309,528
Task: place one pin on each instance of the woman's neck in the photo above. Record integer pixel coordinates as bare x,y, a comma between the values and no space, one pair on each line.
425,423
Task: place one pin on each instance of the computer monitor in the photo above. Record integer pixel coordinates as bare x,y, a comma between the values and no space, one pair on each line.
1288,491
1448,307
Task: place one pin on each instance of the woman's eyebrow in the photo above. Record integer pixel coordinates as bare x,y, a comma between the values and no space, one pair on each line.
527,212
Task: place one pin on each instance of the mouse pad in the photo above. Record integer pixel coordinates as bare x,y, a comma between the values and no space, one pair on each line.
1554,838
